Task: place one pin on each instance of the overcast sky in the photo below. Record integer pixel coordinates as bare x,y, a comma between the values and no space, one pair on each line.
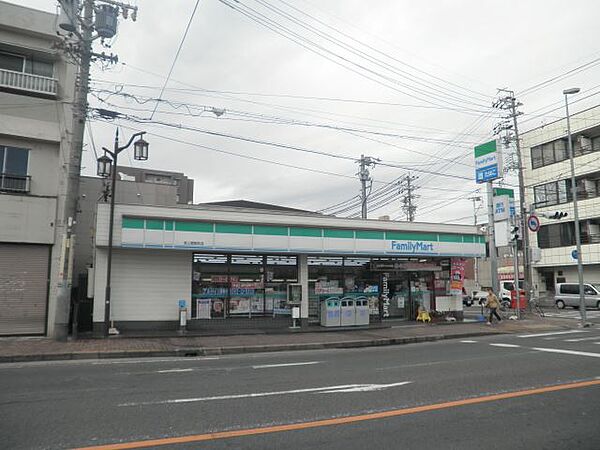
421,75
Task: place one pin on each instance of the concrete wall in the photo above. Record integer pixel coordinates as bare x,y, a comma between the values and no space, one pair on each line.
146,285
27,219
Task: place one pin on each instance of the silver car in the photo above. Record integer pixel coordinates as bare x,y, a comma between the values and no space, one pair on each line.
567,294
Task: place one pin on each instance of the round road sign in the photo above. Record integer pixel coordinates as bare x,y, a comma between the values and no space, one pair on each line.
533,223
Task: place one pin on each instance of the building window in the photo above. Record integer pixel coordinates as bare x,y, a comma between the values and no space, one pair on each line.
553,193
20,63
556,235
14,162
557,151
536,157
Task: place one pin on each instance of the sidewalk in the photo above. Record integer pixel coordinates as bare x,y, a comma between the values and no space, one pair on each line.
43,349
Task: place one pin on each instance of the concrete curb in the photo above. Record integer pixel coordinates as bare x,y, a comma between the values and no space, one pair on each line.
213,351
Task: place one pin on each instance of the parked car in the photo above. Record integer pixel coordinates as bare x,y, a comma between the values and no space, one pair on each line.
567,294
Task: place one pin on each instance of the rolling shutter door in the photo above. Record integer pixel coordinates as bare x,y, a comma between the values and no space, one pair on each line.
23,288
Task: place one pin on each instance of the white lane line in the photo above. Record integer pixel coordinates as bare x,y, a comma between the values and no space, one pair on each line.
174,370
366,387
467,341
506,345
343,388
593,338
567,352
148,361
551,334
268,366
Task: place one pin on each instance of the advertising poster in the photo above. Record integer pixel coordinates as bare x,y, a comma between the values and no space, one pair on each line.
457,276
203,307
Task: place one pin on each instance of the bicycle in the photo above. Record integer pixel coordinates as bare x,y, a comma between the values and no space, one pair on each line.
535,307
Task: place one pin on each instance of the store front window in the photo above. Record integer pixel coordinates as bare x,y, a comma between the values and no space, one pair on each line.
210,286
227,286
395,287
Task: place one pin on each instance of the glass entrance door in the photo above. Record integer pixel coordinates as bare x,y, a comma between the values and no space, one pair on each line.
396,304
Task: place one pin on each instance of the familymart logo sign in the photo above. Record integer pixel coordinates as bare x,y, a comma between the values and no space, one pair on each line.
417,247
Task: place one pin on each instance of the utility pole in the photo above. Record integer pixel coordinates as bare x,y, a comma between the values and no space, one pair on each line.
80,27
509,102
365,181
408,201
475,200
492,238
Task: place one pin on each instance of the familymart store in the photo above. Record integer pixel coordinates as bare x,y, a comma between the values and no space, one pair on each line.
235,267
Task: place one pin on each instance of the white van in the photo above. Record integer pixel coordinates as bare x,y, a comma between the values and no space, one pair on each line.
567,294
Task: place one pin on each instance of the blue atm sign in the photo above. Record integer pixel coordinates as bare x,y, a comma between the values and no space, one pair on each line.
488,162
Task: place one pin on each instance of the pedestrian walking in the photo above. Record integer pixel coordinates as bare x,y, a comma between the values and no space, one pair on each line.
493,304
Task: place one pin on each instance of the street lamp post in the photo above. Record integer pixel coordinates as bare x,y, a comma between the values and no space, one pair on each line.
104,170
582,310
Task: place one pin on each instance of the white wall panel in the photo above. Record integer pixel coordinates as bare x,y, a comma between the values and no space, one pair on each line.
306,243
146,284
340,244
377,245
271,242
232,240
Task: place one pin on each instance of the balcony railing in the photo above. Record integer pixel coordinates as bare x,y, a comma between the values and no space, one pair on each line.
14,183
28,82
593,238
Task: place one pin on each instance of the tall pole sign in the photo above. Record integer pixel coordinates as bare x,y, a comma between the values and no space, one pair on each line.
488,167
488,162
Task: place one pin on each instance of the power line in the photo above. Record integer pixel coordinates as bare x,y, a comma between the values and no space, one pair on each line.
187,28
381,63
334,57
560,77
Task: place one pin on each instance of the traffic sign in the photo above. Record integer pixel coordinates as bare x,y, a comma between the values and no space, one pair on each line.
574,254
533,223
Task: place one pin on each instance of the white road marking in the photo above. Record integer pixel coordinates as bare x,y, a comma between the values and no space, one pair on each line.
468,342
174,370
144,361
327,389
506,345
593,338
268,366
366,388
551,334
567,352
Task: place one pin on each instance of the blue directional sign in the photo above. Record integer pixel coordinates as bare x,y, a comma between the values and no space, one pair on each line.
574,254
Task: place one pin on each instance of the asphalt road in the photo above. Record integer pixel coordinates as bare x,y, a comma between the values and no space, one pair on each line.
508,391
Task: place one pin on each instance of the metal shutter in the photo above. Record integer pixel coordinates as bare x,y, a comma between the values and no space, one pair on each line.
23,288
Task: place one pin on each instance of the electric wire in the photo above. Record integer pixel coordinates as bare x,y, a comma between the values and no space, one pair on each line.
185,33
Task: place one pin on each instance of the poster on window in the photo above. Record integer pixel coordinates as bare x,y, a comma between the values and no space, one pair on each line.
457,276
203,308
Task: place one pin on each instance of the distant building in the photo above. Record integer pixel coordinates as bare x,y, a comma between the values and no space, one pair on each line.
36,93
184,185
547,174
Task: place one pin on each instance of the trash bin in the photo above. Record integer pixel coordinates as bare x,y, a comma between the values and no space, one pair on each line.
361,305
330,312
348,312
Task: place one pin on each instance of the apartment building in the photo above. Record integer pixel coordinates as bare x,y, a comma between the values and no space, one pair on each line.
36,96
547,175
